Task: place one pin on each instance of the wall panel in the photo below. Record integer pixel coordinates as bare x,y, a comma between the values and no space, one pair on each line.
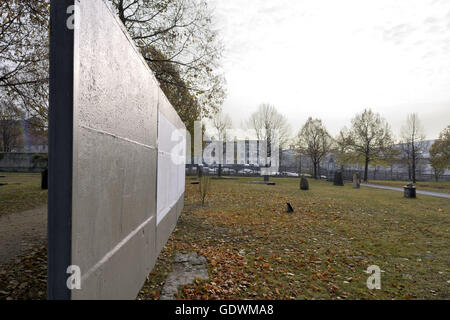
119,169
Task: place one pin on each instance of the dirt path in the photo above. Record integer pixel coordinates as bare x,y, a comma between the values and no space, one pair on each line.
21,231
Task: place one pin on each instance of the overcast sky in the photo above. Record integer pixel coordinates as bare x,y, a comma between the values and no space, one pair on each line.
331,59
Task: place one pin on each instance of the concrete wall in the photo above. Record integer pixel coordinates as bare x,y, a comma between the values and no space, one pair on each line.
20,162
171,170
114,236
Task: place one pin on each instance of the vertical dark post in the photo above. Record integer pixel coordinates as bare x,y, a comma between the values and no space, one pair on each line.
60,149
268,156
44,179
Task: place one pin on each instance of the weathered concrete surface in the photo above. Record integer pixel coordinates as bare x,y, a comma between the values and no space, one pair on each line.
109,203
171,170
186,269
168,223
115,158
425,193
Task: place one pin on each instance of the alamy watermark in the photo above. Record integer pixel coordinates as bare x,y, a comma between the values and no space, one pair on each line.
374,281
240,147
73,22
74,280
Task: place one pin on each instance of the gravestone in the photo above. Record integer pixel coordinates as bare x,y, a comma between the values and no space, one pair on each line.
410,191
338,179
356,181
44,179
304,184
289,208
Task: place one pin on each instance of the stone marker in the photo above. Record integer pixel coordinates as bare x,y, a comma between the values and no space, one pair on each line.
410,191
356,181
289,208
186,269
304,184
338,179
44,179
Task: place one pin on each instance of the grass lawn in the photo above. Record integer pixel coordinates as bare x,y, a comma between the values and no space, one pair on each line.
442,187
256,250
21,192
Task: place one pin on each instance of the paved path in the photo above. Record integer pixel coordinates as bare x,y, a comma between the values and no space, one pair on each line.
21,231
426,193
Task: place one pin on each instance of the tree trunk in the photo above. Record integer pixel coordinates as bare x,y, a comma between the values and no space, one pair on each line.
300,166
121,11
220,170
267,177
366,170
315,170
269,156
409,168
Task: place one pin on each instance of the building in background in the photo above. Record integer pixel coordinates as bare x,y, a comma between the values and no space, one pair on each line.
22,136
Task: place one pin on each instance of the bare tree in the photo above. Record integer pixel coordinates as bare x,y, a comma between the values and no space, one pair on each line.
176,38
267,121
204,187
24,54
405,149
178,41
390,157
342,147
314,141
370,137
269,124
221,122
413,139
440,154
10,128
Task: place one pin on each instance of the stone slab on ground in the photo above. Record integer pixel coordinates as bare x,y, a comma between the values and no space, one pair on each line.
262,182
186,269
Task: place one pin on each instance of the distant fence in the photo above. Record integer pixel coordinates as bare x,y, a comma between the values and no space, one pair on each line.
22,162
394,175
116,183
284,171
